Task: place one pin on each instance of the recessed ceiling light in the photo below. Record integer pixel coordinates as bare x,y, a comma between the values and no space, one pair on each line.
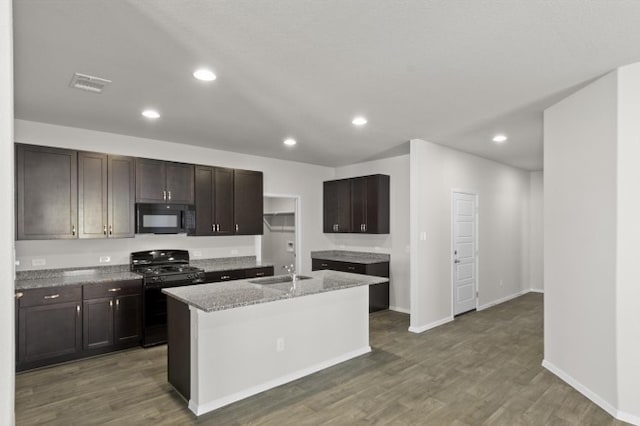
359,121
151,113
204,74
290,142
499,138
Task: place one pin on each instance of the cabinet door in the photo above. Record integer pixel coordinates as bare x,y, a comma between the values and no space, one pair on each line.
121,197
248,202
47,191
49,332
179,183
127,320
337,206
150,181
205,222
92,195
359,204
377,204
223,201
98,323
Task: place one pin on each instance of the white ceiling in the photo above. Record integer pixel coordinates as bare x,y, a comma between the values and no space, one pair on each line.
451,71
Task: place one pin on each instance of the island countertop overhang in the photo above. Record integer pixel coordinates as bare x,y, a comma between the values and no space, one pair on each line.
229,295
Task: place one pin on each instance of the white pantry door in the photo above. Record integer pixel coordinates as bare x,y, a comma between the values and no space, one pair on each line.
464,252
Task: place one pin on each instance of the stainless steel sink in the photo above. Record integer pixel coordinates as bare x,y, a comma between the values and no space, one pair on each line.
279,279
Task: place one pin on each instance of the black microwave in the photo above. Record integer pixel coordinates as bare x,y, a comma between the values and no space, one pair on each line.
164,218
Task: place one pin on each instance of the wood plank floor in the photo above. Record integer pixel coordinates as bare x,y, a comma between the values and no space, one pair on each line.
483,368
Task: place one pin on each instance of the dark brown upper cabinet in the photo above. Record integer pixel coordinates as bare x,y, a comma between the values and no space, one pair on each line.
248,202
214,201
358,205
164,182
370,204
46,193
106,194
337,206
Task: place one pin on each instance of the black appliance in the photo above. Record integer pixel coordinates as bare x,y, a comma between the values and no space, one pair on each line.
164,218
161,269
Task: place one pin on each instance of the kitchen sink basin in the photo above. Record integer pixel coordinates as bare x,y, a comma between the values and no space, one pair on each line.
279,279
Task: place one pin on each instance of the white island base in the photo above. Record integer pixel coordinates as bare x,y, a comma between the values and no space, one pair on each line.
219,357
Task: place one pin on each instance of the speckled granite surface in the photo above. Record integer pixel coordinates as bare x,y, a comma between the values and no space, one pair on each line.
235,294
228,263
43,278
351,256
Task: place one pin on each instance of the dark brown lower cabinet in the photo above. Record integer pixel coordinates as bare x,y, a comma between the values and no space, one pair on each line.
49,328
112,315
378,293
60,324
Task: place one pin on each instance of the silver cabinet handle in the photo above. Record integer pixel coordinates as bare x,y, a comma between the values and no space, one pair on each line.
104,229
324,265
237,227
78,309
111,303
111,229
218,227
225,277
260,274
365,227
117,304
164,195
114,289
52,296
213,228
73,230
351,268
19,295
169,192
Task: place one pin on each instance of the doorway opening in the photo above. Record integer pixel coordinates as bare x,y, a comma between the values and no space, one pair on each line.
464,259
279,242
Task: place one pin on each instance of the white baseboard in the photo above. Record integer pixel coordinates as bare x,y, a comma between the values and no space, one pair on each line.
200,409
594,397
535,290
501,300
429,326
399,309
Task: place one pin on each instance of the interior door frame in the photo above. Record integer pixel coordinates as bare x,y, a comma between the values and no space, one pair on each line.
477,247
297,236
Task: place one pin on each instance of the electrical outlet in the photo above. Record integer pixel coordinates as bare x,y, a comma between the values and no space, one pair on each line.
234,251
197,253
38,262
280,344
105,259
501,283
423,236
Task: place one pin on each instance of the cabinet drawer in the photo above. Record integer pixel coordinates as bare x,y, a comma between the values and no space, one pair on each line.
320,264
259,272
50,296
354,268
111,289
218,276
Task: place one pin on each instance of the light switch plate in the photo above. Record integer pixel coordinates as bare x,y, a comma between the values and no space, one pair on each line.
38,262
105,259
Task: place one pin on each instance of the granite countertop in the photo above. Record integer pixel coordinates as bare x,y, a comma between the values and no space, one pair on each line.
43,278
351,256
235,294
228,263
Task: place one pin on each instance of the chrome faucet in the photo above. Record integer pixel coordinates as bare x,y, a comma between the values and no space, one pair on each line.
291,270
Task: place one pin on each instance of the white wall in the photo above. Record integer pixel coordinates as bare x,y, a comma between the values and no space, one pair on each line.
280,177
397,242
275,241
536,231
580,239
7,339
503,195
628,249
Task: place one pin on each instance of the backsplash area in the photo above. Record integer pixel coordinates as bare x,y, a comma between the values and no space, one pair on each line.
51,254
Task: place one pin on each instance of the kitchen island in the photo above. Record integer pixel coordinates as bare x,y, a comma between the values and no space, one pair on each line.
228,341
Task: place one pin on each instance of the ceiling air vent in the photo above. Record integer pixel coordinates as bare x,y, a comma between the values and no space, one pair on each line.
89,83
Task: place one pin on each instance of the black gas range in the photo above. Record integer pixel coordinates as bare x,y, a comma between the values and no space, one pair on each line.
161,269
